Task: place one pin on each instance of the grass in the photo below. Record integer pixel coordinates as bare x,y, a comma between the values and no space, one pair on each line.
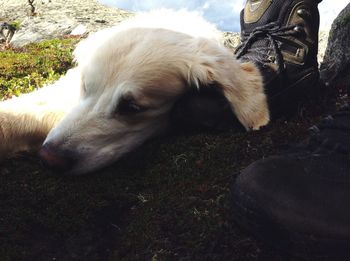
25,69
169,200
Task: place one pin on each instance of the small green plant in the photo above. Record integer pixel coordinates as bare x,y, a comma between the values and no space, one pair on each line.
16,24
33,66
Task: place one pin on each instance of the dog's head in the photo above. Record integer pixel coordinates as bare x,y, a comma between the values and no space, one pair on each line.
130,80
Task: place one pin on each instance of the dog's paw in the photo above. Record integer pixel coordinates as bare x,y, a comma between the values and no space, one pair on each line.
253,111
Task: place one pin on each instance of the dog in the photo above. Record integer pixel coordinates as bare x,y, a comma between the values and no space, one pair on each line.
120,94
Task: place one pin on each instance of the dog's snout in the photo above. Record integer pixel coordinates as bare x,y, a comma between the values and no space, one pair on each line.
57,159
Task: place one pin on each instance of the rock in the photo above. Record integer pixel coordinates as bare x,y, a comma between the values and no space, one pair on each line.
231,40
336,62
322,44
79,30
57,18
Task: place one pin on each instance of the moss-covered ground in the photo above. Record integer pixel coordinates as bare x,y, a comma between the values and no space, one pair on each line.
169,200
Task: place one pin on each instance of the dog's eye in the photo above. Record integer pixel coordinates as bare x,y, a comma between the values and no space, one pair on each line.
129,106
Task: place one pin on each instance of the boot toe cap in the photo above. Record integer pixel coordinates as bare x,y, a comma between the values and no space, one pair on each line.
283,201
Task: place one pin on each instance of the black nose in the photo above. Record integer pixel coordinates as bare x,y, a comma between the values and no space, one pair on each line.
57,159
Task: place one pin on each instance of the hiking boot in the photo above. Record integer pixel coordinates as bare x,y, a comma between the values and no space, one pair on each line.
281,38
299,201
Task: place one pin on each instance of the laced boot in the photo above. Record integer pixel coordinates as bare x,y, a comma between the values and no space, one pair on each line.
299,202
281,38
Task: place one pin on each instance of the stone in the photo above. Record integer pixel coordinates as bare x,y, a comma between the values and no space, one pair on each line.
335,67
79,30
57,18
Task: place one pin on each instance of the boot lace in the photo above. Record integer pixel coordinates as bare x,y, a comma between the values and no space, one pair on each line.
273,32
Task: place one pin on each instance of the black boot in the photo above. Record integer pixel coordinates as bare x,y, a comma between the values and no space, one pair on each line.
281,37
299,202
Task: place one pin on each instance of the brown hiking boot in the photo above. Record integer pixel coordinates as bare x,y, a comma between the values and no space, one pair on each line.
281,38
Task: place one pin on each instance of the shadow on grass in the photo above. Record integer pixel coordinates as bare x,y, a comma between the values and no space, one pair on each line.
169,200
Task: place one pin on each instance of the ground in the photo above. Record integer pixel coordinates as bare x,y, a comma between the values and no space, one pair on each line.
169,200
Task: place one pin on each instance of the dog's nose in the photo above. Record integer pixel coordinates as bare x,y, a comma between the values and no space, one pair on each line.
55,158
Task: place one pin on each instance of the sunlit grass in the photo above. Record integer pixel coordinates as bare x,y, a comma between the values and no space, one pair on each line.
23,70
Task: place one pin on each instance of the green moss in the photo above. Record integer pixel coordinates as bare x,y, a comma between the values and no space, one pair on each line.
33,66
16,24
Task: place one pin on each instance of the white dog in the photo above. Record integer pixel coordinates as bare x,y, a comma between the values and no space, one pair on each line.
121,93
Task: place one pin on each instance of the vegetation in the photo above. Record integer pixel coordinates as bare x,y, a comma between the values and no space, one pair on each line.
169,200
33,66
16,24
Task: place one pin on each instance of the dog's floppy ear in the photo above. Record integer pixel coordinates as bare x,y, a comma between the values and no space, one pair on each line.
240,83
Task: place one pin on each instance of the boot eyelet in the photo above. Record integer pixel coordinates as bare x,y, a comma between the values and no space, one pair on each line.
271,59
299,29
304,13
314,130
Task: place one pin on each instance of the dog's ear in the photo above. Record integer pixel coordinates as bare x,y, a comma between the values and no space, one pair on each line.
240,83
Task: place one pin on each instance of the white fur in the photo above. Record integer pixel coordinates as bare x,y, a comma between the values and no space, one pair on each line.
152,58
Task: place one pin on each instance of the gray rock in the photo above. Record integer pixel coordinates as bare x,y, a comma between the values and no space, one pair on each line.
336,62
322,44
57,18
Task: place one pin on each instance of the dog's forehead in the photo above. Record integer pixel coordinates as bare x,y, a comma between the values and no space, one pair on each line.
136,51
151,84
151,65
